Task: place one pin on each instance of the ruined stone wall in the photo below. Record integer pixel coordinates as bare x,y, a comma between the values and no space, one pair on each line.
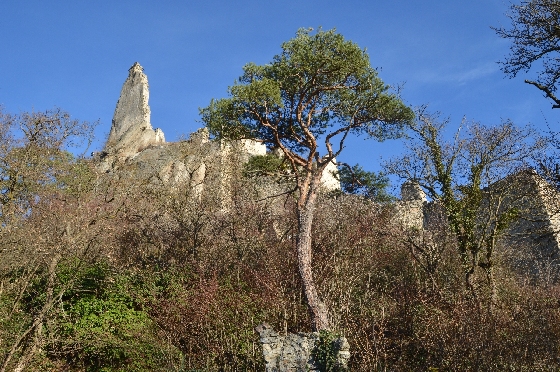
530,243
410,211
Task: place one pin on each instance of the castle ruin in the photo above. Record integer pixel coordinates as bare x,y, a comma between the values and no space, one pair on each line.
198,162
202,163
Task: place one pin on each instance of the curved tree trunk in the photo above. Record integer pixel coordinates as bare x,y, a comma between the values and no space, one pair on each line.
305,209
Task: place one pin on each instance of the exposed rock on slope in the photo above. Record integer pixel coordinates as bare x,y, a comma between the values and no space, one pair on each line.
294,352
131,130
197,162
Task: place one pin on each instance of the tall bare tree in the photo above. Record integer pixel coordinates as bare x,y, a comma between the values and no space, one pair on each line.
466,178
535,37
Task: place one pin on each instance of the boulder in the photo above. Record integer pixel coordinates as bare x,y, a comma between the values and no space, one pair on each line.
295,352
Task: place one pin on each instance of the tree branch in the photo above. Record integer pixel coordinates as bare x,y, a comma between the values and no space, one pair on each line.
547,91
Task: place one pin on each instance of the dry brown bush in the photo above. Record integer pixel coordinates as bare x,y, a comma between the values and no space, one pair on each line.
401,309
207,275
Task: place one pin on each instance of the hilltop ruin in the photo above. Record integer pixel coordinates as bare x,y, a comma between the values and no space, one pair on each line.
198,162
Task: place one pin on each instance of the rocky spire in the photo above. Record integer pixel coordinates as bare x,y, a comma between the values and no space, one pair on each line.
131,130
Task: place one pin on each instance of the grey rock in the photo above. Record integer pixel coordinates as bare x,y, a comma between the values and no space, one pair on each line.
131,130
135,149
294,352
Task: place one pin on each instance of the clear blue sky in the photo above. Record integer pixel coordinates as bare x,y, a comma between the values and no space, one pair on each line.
76,54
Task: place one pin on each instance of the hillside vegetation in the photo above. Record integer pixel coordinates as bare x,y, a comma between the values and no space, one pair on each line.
105,274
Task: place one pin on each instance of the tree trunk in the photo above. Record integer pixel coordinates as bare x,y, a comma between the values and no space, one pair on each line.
305,209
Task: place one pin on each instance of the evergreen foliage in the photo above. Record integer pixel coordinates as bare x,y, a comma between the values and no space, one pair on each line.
316,93
355,180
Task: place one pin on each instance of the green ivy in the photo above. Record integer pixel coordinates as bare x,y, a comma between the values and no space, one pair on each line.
325,353
105,327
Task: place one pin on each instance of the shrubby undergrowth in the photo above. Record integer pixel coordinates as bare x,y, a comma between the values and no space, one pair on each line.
146,278
128,275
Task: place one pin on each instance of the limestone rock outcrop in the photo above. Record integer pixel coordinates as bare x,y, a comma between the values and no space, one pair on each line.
131,130
135,149
197,162
294,352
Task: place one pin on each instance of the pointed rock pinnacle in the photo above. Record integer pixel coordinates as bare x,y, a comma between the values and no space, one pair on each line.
131,130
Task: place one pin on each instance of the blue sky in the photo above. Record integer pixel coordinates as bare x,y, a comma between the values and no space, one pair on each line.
75,55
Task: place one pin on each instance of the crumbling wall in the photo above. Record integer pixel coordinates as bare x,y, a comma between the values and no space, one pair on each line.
410,210
531,241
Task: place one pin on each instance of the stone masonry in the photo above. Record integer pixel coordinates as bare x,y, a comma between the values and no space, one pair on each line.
411,209
531,243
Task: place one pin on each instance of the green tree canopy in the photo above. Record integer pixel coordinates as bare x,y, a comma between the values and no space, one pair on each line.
356,180
320,89
320,86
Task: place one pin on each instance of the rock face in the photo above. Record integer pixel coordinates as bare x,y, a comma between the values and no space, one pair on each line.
131,130
198,162
294,352
329,179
